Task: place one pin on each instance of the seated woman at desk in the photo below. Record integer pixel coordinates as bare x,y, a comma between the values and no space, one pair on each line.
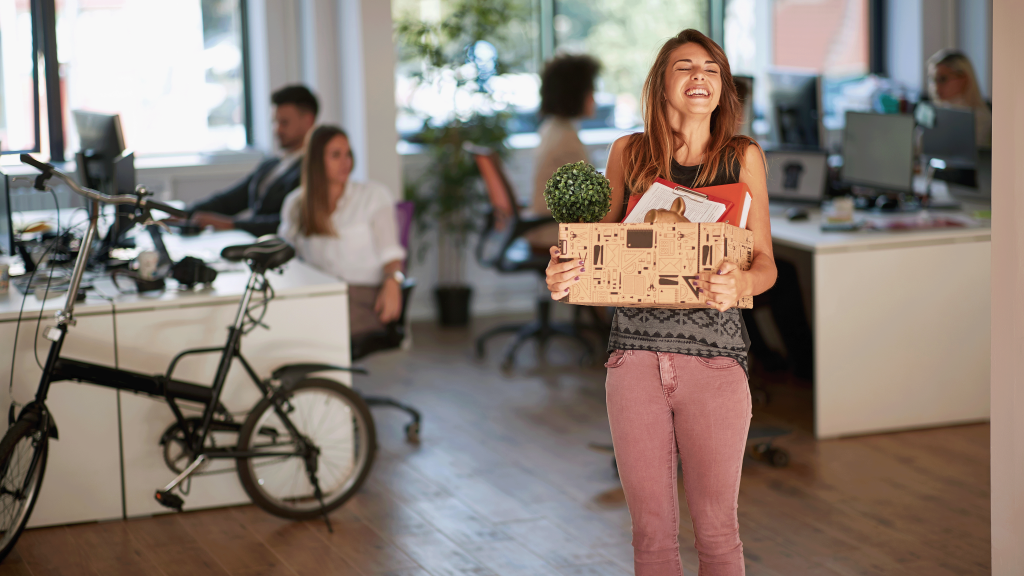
566,95
951,82
347,229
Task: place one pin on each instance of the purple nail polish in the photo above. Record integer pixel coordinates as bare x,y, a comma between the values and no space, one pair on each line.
700,289
577,278
566,290
583,269
582,262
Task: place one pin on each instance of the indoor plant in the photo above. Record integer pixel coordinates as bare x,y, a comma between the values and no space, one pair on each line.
459,53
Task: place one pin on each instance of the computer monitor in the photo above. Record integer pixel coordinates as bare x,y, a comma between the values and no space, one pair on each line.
122,182
878,151
795,107
797,175
948,134
6,222
101,142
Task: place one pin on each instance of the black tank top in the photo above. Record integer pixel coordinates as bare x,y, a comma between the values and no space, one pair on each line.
693,331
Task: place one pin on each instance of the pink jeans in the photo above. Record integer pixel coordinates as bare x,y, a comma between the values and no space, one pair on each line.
658,402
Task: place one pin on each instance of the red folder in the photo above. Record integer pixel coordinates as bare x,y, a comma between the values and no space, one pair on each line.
734,196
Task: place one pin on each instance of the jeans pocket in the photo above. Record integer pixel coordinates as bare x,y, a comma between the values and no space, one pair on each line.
616,359
717,362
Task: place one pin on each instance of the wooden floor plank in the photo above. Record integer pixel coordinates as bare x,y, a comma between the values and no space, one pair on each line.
294,543
510,558
360,545
440,556
112,551
552,543
53,552
232,544
172,547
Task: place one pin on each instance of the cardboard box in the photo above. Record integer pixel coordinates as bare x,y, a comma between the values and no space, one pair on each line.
650,265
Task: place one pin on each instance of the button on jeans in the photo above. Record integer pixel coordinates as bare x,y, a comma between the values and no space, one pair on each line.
660,403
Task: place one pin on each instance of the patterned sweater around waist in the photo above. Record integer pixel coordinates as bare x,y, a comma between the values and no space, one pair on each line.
707,333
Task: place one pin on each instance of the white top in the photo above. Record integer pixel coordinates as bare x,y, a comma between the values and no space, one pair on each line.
367,234
559,145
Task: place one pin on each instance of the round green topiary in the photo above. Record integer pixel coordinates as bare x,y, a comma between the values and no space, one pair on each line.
577,193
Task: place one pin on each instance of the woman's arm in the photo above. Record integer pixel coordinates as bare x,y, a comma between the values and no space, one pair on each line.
730,284
385,239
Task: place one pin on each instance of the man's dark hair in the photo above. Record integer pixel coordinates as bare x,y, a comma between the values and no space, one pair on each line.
565,84
296,95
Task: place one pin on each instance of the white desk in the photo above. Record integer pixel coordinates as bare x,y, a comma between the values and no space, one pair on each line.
83,482
900,323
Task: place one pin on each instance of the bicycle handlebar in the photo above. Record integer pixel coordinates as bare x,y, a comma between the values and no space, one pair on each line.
48,170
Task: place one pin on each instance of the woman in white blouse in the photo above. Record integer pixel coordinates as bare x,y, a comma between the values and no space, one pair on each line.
347,229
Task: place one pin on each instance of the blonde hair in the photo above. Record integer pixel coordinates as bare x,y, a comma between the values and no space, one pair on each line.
648,155
959,64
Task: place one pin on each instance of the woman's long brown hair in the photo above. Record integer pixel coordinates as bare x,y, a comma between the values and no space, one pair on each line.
314,211
648,155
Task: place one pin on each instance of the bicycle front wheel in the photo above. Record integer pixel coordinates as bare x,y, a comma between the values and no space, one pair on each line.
329,418
23,452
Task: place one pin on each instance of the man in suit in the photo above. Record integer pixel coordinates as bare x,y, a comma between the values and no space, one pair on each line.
254,204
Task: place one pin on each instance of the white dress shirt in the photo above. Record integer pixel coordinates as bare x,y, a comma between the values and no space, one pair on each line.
367,234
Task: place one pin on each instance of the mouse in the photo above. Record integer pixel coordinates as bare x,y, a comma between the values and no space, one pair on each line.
794,214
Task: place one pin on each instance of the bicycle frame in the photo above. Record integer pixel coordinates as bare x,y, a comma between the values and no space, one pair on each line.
163,386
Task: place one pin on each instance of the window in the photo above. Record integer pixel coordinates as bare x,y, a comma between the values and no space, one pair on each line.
509,64
825,37
18,98
625,36
173,71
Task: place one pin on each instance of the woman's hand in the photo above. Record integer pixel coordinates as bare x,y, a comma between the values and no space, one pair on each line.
389,302
725,288
561,275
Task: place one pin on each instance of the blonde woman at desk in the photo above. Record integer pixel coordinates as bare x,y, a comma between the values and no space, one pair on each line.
346,229
952,82
677,380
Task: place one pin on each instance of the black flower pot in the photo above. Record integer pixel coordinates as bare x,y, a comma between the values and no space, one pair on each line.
453,305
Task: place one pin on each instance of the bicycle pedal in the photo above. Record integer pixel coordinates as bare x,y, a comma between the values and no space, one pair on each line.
169,500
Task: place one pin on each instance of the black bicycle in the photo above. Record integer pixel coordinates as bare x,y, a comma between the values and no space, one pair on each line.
302,451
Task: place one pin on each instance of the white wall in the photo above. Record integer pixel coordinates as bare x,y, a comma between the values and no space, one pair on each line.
1007,280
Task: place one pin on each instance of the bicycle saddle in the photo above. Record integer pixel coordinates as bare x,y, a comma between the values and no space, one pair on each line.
267,253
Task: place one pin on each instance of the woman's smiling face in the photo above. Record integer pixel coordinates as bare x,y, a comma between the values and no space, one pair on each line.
693,81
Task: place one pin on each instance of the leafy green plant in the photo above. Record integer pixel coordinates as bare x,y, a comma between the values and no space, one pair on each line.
475,41
578,193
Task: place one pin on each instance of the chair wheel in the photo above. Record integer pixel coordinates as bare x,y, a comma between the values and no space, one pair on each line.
412,432
777,458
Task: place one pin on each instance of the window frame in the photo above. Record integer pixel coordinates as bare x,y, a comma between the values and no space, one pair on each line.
44,49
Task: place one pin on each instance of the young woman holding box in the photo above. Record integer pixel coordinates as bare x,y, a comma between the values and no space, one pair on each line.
677,380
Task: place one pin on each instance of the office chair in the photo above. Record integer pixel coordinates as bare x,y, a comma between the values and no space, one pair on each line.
392,336
504,218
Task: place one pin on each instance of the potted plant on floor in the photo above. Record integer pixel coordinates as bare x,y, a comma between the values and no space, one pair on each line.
458,55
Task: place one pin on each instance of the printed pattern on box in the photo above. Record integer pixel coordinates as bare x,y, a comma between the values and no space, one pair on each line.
650,265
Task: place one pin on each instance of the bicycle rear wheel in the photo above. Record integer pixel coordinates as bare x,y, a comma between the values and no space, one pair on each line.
335,421
23,453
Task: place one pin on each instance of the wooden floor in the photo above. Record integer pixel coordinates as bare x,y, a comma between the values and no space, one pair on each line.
503,483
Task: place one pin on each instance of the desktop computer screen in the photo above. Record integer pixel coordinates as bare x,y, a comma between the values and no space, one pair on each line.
101,142
795,105
948,134
123,182
878,150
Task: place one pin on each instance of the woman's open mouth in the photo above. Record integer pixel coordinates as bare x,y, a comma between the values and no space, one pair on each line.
697,92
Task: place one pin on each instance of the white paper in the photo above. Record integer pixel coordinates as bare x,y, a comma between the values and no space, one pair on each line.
659,196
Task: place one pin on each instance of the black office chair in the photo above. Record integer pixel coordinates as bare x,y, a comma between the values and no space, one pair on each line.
505,221
390,338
